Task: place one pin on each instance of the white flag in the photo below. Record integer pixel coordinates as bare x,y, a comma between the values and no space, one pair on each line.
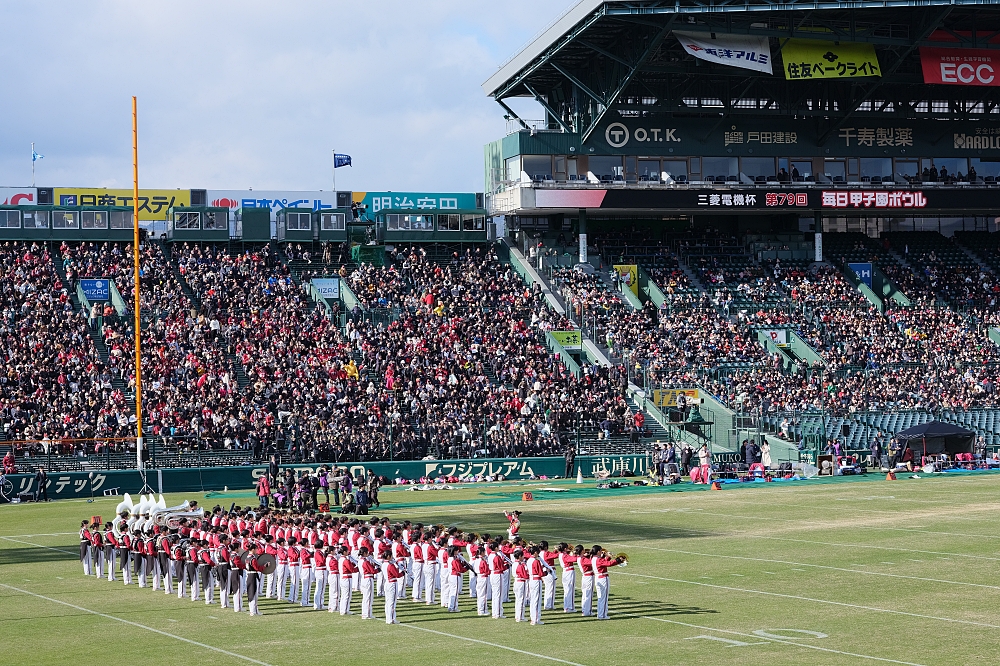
724,49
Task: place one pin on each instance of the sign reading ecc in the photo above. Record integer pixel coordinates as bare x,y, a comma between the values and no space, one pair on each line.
959,67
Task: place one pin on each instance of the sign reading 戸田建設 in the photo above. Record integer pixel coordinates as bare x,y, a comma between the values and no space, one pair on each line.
808,59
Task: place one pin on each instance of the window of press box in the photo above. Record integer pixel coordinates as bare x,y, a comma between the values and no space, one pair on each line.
719,167
876,166
801,169
473,222
649,169
675,168
64,219
605,168
449,222
906,169
756,168
298,221
93,219
985,168
187,220
537,165
332,221
38,219
512,167
216,220
395,222
121,219
10,219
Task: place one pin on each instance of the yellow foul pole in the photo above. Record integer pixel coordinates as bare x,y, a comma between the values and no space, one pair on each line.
140,463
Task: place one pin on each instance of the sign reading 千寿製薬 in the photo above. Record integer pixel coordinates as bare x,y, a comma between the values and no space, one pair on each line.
805,59
96,289
153,204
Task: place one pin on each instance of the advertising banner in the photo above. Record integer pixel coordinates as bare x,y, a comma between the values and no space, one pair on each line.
724,49
18,196
68,485
809,59
274,200
153,204
97,289
328,287
568,339
425,201
629,274
668,397
960,67
864,272
778,336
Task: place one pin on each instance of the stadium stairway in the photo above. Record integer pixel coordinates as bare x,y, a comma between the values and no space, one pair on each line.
691,275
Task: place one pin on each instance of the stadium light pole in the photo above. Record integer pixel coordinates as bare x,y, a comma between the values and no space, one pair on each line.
140,463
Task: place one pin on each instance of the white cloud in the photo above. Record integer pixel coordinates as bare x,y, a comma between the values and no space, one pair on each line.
255,94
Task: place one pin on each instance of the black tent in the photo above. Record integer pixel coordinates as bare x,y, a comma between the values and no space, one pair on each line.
936,437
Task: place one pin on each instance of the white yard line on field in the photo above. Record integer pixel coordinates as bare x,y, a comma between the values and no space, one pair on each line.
813,566
138,626
774,640
496,645
813,600
38,545
863,545
38,535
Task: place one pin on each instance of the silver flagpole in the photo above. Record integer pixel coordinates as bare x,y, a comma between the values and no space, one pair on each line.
32,163
335,176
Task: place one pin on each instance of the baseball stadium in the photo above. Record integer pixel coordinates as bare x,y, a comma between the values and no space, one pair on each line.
711,358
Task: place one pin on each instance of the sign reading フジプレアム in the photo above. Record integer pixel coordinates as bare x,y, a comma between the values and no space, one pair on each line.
153,204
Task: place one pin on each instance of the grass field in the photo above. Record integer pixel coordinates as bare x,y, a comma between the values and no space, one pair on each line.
833,573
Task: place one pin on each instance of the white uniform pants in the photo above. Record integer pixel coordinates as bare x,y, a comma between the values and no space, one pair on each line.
444,584
99,560
506,586
473,587
293,578
602,598
391,595
345,595
520,597
88,568
281,574
181,578
482,595
367,595
334,585
496,583
587,595
535,600
305,585
549,587
418,580
320,589
454,590
569,590
112,557
430,570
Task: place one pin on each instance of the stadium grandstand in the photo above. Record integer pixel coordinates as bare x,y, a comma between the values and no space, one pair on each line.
808,256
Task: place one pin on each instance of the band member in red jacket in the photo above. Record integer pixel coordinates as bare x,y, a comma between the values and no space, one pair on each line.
111,545
254,571
601,563
369,570
348,568
537,571
395,575
567,562
457,567
549,558
521,578
499,564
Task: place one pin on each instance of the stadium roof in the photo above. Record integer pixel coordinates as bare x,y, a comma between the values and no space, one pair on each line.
618,54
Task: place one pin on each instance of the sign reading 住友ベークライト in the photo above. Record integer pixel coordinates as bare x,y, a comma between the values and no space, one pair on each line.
808,59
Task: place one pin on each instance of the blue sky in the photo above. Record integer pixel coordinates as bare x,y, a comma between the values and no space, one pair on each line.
255,94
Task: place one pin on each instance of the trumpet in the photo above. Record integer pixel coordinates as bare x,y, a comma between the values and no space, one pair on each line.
622,559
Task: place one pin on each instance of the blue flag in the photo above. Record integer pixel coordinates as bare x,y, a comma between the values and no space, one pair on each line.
35,157
341,160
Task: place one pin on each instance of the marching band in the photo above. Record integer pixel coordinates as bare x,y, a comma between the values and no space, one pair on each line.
333,562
